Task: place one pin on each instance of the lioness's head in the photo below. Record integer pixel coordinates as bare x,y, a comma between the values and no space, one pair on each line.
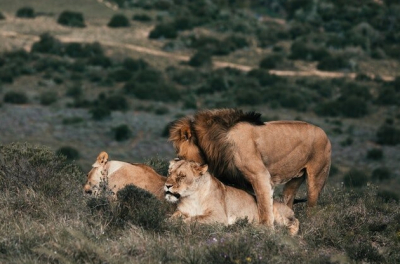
184,178
97,175
184,140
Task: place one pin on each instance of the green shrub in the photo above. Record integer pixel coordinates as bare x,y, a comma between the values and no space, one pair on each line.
353,106
122,133
100,60
2,17
355,178
74,91
264,77
333,63
25,12
47,98
118,20
134,65
37,168
71,19
388,196
302,51
201,58
347,142
72,120
47,44
375,154
167,31
139,207
141,17
68,152
328,108
388,135
117,102
120,75
380,174
152,91
15,97
388,96
100,112
6,75
270,61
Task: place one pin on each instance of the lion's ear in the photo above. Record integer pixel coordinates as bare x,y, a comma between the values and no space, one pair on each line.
186,133
102,159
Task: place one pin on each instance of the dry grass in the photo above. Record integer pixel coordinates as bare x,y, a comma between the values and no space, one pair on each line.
38,227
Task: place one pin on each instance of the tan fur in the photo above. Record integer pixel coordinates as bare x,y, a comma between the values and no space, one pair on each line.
117,174
244,152
203,198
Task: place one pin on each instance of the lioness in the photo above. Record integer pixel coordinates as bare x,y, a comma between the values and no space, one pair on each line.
117,174
203,198
247,153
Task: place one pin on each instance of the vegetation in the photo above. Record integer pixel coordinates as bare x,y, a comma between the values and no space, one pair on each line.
118,20
71,19
43,199
25,12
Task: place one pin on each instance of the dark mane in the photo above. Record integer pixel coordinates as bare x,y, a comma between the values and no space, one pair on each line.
211,128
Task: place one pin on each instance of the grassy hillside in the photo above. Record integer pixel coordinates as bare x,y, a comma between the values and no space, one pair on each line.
45,219
81,84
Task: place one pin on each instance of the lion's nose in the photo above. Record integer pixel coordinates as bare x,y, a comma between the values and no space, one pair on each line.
168,186
88,191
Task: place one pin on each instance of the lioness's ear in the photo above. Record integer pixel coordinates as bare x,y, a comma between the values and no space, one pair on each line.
200,169
102,159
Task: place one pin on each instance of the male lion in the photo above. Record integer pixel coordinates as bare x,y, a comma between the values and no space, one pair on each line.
203,198
245,152
115,175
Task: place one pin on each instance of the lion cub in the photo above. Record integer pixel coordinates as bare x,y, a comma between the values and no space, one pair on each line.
203,198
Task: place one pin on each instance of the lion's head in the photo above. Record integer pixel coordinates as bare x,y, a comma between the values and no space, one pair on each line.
183,179
184,140
97,176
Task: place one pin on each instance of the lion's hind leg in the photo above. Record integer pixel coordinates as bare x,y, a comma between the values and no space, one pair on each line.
317,175
290,190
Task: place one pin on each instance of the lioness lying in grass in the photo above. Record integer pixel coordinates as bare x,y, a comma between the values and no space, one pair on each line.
203,198
115,175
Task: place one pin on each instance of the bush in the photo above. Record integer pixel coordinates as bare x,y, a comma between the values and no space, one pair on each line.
37,168
388,135
117,102
163,31
2,17
118,20
355,178
353,106
120,75
100,112
15,98
328,108
47,44
201,58
68,152
333,63
270,62
134,65
141,17
140,207
375,154
388,196
380,174
47,98
152,91
121,133
71,19
25,12
75,91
